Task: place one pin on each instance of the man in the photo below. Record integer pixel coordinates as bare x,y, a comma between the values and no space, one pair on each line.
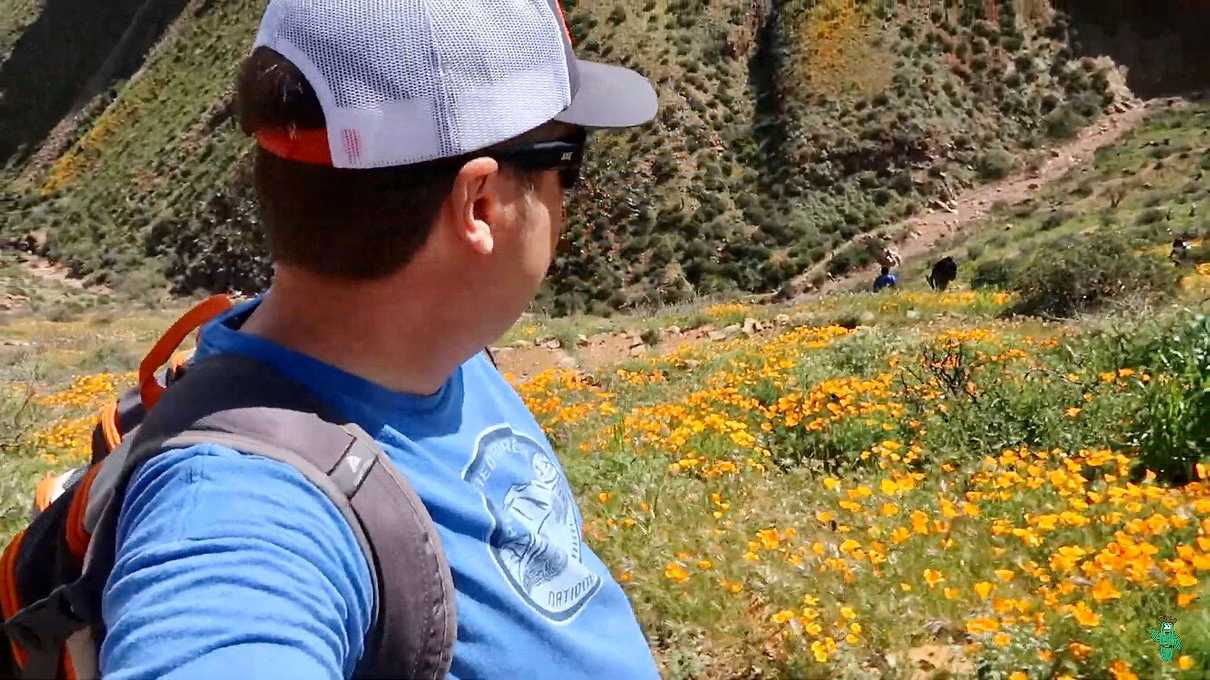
412,163
1180,251
943,273
885,279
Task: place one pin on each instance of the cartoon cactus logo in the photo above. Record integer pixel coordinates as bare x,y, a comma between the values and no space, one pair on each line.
1167,639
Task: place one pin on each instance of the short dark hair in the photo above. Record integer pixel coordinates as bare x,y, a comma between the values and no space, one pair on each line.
350,224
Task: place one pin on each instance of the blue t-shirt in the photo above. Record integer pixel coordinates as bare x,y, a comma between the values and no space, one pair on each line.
232,565
884,281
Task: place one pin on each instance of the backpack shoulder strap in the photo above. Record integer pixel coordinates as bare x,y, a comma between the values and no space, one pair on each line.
245,405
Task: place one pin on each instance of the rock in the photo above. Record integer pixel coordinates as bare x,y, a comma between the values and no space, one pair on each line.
867,317
913,314
638,350
733,330
673,330
521,344
568,361
581,340
502,351
692,364
636,342
782,319
552,343
751,326
716,335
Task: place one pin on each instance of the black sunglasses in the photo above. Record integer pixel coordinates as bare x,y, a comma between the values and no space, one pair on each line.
565,155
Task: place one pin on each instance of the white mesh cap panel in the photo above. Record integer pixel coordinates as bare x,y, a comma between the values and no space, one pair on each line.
503,66
405,81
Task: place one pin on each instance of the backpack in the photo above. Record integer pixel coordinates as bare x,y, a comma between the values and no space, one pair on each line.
53,572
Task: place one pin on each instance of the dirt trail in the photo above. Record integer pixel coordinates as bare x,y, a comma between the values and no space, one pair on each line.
927,229
608,349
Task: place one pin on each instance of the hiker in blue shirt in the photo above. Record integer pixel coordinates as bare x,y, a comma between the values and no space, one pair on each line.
411,170
885,279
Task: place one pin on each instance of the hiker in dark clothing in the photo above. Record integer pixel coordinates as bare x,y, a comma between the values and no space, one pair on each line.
1180,251
885,280
943,274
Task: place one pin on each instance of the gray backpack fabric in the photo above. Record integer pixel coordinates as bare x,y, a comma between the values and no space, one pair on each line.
245,405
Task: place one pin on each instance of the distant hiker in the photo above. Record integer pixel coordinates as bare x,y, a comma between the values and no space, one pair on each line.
1180,252
413,162
943,274
885,280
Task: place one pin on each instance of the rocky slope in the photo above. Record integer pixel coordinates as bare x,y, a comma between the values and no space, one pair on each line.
786,129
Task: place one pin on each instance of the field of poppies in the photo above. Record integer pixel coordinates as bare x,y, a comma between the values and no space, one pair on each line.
960,496
923,489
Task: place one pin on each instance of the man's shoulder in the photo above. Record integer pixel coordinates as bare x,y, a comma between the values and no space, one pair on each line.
210,462
214,491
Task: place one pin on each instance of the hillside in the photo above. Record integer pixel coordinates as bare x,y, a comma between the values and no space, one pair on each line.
786,129
1007,481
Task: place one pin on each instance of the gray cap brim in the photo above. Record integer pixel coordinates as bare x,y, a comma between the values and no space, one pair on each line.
610,97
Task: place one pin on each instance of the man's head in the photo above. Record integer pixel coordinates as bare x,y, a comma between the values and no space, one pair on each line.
423,139
885,270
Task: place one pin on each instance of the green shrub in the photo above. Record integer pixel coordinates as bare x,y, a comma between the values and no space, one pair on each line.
843,262
1024,209
995,164
1055,219
1076,275
1150,216
1173,430
992,274
1063,123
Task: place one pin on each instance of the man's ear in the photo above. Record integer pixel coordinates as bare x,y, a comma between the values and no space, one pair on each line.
473,206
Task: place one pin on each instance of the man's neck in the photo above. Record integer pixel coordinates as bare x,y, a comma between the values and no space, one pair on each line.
410,346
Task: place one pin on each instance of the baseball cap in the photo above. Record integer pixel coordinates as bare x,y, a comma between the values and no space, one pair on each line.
408,81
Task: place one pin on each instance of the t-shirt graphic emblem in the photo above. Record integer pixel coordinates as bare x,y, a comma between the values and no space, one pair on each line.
535,539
